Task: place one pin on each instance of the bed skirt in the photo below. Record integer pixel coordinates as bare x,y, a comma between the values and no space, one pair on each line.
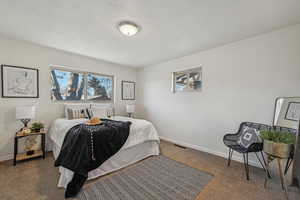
123,158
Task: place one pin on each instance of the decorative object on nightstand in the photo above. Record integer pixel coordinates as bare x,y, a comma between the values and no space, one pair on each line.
37,126
110,111
25,114
130,110
28,144
278,145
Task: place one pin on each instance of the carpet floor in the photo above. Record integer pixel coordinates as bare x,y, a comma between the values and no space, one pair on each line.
37,179
155,178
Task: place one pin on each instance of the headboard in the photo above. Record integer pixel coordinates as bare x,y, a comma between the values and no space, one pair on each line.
109,106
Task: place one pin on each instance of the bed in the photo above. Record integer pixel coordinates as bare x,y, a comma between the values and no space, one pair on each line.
142,142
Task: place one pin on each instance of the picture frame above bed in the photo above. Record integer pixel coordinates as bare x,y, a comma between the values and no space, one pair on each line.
19,82
128,90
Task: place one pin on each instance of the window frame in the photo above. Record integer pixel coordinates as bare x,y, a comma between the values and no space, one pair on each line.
85,75
113,88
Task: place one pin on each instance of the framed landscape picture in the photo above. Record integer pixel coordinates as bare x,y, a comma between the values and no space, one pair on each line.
19,82
128,90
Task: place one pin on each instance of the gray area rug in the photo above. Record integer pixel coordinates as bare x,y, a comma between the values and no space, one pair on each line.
154,178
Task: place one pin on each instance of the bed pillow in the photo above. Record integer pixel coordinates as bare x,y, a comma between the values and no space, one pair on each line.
76,113
100,112
75,106
249,136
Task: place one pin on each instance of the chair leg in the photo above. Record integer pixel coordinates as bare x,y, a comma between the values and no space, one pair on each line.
263,157
287,166
264,166
245,157
229,156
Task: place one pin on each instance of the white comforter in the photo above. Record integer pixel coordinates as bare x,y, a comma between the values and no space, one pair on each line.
140,131
143,141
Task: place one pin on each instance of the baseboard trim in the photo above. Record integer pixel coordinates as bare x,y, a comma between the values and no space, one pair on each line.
6,157
11,156
180,143
210,151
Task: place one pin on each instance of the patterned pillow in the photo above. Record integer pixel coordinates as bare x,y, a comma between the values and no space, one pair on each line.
249,136
76,113
100,112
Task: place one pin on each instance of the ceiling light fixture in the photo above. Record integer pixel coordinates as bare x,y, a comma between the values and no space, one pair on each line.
128,28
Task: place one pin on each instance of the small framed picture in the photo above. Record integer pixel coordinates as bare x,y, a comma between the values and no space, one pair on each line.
128,90
19,82
187,81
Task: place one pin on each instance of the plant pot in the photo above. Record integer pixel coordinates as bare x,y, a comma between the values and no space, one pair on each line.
280,150
36,130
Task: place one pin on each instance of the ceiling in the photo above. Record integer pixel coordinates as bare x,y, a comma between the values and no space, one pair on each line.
170,28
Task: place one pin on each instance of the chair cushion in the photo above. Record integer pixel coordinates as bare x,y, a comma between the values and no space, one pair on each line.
249,136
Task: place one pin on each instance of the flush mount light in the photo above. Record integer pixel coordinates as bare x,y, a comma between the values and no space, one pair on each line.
128,28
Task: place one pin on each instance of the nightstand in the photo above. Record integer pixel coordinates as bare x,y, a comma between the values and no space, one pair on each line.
36,154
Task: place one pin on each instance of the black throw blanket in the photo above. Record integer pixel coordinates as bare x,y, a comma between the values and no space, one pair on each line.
86,147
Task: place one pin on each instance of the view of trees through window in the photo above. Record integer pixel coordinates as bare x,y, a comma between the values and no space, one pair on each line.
99,87
70,86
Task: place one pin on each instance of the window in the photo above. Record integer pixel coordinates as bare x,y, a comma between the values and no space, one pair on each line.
70,85
67,85
99,87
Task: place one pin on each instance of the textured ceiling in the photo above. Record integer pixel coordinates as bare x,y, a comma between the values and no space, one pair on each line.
170,28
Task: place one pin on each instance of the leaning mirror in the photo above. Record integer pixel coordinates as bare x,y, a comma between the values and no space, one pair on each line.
287,112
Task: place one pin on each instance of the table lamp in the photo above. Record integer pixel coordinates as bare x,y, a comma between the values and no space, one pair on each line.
25,114
130,110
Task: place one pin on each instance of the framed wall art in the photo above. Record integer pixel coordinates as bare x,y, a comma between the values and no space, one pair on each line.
187,81
128,90
19,82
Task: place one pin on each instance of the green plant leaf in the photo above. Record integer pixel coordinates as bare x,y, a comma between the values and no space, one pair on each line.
278,136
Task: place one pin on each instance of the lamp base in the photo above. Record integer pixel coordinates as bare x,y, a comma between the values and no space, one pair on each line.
25,122
129,114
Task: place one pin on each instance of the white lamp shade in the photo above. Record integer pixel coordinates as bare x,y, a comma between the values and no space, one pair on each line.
130,108
25,112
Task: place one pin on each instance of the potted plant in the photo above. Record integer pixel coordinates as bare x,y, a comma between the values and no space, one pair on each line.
37,126
278,143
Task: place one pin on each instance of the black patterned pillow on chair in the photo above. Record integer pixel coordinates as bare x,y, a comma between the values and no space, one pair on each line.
249,136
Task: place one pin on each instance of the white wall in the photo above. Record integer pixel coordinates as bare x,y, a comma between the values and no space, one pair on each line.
240,83
20,53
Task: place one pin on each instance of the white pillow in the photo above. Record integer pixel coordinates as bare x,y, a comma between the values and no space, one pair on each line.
75,106
77,113
100,112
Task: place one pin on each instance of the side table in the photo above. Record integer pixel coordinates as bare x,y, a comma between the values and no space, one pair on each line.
36,154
